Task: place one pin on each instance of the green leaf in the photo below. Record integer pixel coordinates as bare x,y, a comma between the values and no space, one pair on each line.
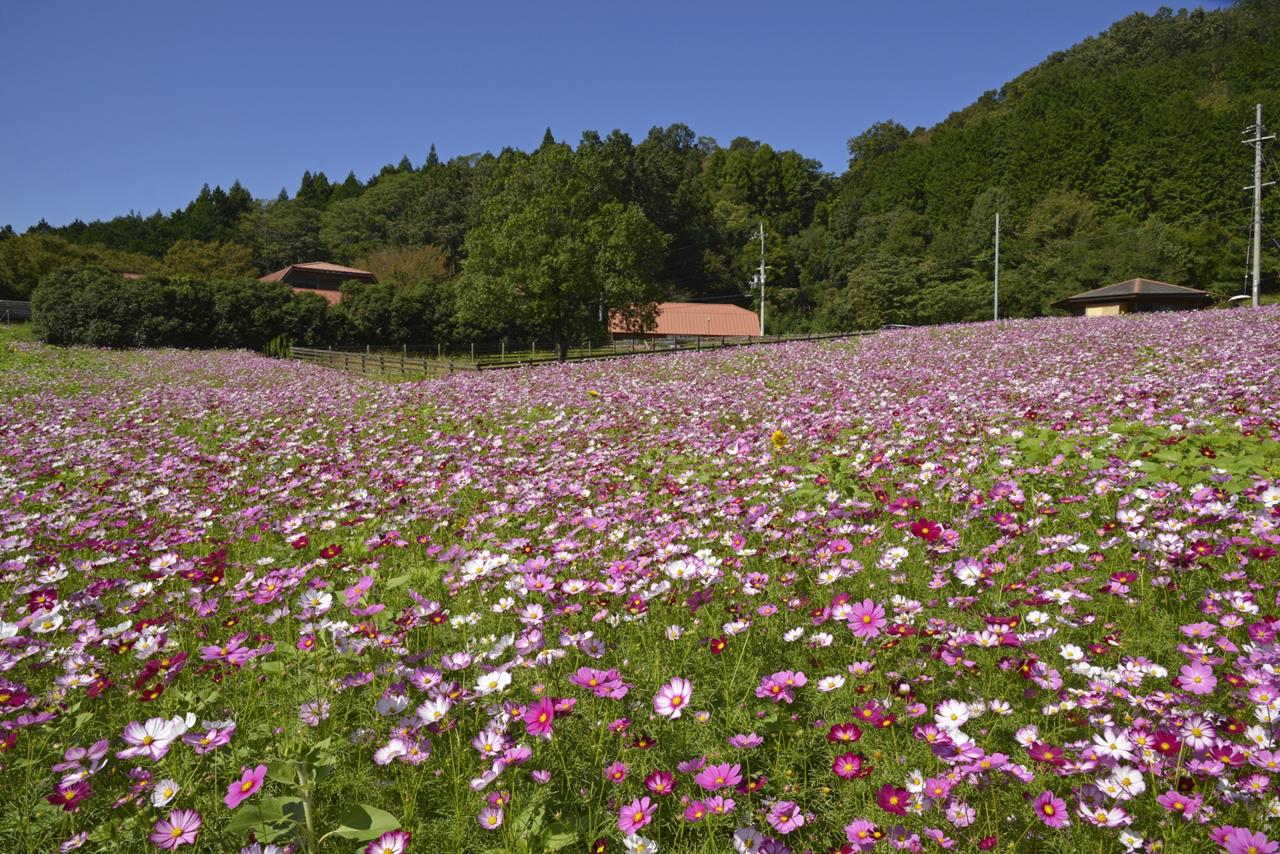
398,581
272,667
558,835
268,818
363,823
282,771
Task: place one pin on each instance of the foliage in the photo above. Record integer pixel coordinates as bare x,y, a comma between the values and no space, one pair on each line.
26,259
554,255
210,259
96,307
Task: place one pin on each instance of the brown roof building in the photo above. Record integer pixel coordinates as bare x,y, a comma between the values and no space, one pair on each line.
695,319
319,277
1135,295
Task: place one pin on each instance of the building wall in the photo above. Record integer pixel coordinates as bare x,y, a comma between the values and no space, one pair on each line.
1107,310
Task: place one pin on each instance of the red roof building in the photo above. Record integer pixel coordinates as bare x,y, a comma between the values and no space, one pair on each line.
319,277
695,319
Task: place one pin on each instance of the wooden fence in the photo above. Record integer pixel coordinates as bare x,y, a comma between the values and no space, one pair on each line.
407,364
382,363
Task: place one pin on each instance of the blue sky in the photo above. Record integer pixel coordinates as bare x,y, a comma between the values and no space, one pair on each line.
112,107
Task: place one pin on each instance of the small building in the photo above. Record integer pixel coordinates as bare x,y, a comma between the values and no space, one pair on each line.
319,277
1135,295
694,319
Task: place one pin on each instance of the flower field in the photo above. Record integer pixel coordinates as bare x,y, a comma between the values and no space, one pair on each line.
975,588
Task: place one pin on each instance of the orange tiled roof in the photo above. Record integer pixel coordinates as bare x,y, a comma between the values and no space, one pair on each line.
699,318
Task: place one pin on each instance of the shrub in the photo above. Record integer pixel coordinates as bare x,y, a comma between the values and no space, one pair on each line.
93,306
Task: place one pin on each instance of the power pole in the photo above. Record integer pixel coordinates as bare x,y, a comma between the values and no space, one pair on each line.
1257,141
996,309
761,276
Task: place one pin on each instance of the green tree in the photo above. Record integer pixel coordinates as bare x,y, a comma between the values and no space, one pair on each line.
209,259
553,255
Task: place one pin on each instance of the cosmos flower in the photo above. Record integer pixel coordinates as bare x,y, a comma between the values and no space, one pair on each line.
249,783
179,828
672,698
1051,810
715,777
391,842
635,815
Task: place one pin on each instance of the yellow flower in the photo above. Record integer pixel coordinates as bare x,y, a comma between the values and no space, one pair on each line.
778,438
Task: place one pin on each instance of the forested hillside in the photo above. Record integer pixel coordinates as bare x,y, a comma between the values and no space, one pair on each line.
1118,157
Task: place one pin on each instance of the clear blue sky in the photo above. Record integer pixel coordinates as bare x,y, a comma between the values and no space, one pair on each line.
112,107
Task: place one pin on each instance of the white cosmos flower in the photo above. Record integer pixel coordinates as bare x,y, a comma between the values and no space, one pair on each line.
828,684
164,791
492,683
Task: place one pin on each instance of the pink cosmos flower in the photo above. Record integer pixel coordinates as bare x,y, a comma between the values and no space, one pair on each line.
660,782
866,619
538,718
151,739
1197,678
862,834
490,818
719,776
1241,840
391,842
671,698
180,828
847,766
695,812
1051,810
636,815
1185,805
785,817
248,785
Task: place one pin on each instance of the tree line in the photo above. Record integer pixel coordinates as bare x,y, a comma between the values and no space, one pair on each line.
1115,158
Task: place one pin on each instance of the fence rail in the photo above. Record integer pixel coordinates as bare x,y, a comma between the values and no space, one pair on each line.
408,363
12,309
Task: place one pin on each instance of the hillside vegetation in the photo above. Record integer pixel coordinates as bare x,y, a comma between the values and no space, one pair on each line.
1117,157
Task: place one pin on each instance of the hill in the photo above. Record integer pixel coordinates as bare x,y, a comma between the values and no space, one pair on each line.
1116,157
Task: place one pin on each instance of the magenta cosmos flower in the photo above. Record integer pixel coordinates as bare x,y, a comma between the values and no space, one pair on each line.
671,698
1051,810
866,619
892,799
719,776
538,718
635,815
180,828
248,784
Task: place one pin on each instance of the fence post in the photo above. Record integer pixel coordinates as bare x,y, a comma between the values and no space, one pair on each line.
534,352
504,349
473,351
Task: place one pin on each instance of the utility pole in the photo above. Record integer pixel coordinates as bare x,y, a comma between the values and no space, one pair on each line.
996,308
761,277
1257,141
